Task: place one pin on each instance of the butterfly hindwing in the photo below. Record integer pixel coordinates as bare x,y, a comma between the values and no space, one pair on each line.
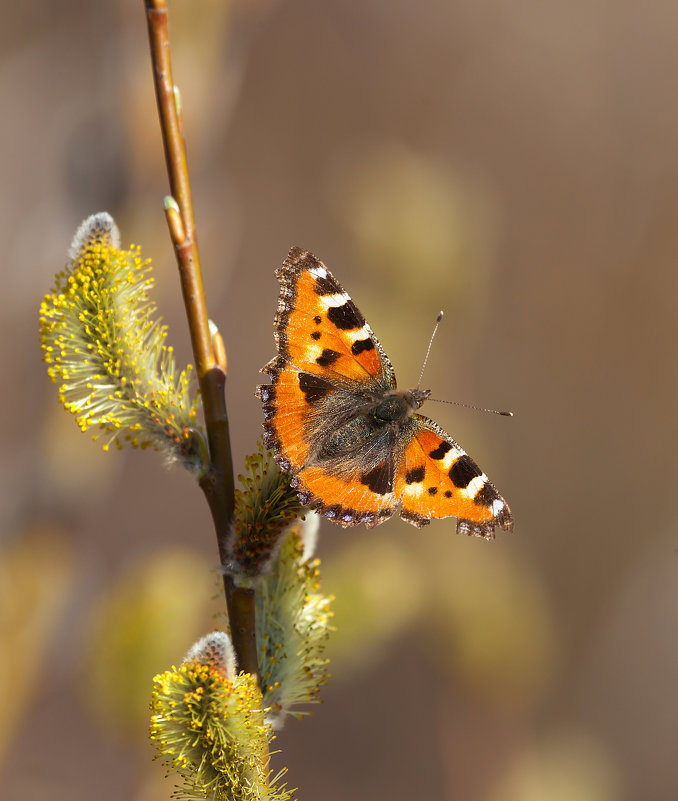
360,497
438,479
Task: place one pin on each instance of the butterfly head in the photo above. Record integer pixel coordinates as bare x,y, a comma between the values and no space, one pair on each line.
399,405
416,397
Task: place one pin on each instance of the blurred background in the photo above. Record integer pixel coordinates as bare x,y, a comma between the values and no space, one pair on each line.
517,168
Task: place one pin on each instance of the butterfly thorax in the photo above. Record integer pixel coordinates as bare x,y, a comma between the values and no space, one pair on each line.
378,417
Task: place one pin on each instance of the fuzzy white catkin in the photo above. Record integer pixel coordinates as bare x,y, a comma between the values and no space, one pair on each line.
214,648
99,227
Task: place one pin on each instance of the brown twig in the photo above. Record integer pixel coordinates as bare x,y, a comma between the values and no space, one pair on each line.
218,483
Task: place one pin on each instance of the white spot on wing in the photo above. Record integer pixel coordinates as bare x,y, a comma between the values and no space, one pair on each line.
313,352
497,506
318,272
475,485
451,457
334,300
361,333
414,490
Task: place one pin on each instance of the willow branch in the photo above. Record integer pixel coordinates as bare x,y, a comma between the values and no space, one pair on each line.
218,484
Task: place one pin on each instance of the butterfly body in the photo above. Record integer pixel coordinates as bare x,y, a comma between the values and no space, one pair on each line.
355,445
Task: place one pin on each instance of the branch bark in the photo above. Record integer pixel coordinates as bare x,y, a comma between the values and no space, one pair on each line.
218,484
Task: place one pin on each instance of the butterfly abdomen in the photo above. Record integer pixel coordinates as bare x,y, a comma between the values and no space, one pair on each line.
353,434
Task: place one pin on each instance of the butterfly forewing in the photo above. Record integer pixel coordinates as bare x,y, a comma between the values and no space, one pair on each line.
318,327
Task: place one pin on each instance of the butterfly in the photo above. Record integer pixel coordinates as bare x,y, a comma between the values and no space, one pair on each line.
354,445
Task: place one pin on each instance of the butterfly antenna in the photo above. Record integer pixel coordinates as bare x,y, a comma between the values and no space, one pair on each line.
455,403
471,406
428,350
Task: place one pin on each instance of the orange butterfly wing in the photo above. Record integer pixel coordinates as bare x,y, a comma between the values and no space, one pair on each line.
436,478
318,328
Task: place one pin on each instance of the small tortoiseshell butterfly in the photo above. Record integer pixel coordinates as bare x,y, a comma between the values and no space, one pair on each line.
353,443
